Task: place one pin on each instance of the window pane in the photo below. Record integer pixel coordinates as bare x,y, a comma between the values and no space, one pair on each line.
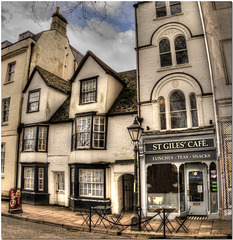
83,131
29,178
175,7
177,101
164,194
5,109
11,72
99,132
88,93
162,113
33,102
164,46
3,152
160,9
166,60
180,43
194,118
42,139
91,182
178,120
181,57
29,139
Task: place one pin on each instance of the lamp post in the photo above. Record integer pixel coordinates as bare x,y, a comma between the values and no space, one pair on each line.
135,132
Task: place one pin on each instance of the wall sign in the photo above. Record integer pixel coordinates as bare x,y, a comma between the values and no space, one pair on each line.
177,145
182,156
15,205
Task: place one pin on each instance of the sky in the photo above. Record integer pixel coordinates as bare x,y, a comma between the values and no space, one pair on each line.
112,40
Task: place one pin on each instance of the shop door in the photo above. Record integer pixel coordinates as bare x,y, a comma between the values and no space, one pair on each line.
197,189
60,188
127,181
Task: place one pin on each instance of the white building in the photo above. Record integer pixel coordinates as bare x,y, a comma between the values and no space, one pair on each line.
76,149
178,156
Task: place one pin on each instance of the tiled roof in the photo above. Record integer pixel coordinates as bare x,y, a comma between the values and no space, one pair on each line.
50,80
62,114
127,100
77,55
105,67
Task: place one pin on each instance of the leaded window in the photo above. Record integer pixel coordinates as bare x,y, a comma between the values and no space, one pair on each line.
35,139
72,181
193,106
5,109
178,110
3,154
161,10
83,132
91,182
162,113
29,139
33,101
29,178
88,90
90,132
181,50
165,53
11,72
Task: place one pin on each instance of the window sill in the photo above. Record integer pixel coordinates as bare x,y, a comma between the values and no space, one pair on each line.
87,103
78,149
168,16
2,176
162,69
5,123
8,82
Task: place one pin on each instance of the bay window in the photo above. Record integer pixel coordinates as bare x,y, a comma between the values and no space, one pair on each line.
89,132
35,139
91,182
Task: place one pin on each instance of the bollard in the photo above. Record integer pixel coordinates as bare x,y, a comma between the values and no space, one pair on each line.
90,220
164,224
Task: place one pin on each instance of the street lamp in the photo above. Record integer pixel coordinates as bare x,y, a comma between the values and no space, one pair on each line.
135,132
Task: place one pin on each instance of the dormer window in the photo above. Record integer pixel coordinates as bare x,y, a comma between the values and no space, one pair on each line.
88,90
33,101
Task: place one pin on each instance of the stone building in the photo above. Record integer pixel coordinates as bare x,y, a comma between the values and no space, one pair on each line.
179,153
217,24
48,49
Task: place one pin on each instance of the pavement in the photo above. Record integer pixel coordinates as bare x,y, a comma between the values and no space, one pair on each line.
199,228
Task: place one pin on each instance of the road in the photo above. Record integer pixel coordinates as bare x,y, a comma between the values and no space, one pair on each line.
19,229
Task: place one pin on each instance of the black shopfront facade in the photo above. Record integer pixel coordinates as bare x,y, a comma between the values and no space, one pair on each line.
180,170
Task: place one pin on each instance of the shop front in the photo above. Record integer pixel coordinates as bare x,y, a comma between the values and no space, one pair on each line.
180,171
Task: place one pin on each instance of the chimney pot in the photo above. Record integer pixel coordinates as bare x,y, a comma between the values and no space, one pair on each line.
57,11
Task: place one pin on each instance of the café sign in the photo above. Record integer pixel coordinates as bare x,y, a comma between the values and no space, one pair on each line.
177,145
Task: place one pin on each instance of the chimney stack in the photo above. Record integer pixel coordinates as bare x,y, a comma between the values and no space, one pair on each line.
59,23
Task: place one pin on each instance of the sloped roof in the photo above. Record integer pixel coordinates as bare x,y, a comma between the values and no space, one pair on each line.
127,99
77,55
125,103
62,114
50,80
105,67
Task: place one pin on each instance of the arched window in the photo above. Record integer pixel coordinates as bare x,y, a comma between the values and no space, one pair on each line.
181,50
165,53
162,113
178,110
193,107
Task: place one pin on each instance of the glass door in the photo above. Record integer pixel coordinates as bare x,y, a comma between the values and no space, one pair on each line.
197,189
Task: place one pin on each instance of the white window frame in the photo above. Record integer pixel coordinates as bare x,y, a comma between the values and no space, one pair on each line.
41,179
11,72
3,157
89,186
88,91
98,131
29,178
33,100
83,132
5,109
42,138
29,139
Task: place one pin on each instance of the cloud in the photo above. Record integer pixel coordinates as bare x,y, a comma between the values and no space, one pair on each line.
113,40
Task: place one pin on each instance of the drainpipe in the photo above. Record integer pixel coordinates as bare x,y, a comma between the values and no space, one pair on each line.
213,90
137,60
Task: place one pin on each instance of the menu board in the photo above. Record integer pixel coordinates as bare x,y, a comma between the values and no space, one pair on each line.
15,205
